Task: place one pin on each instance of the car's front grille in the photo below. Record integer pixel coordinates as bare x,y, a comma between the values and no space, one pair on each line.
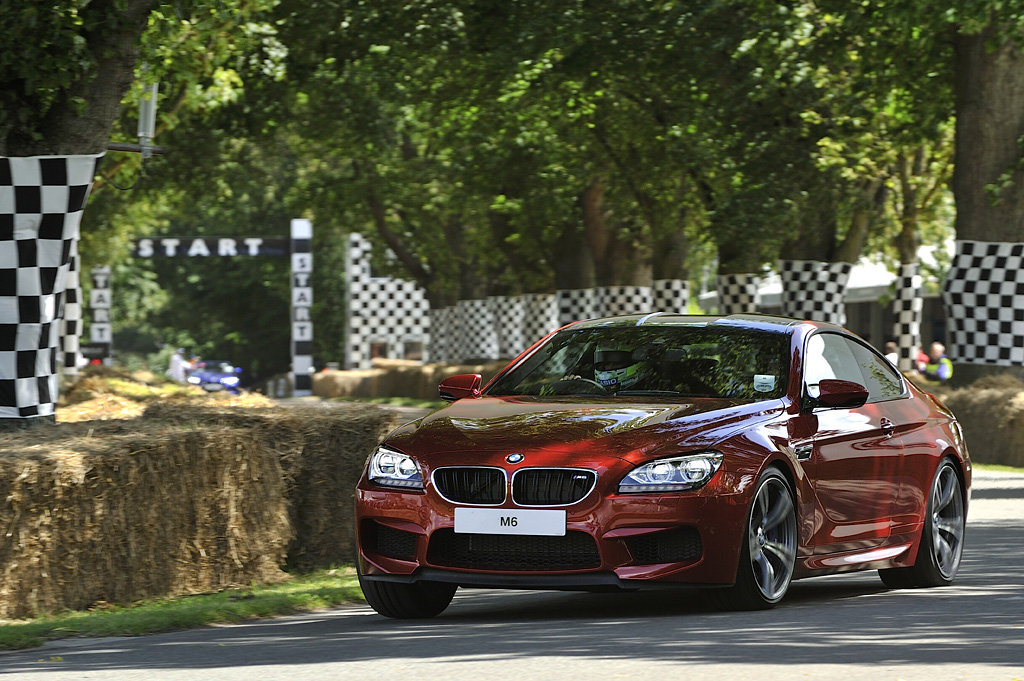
513,553
679,545
388,541
551,486
471,484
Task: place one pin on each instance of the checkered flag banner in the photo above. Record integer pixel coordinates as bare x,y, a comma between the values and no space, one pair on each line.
908,310
71,319
738,293
814,289
386,310
41,203
984,298
671,295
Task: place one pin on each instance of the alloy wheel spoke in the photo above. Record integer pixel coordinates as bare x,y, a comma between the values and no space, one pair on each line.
782,551
780,512
767,574
945,488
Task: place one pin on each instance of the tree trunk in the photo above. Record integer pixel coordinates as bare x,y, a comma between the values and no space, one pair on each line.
64,130
983,307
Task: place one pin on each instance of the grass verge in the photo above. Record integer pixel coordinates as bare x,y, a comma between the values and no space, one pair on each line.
320,589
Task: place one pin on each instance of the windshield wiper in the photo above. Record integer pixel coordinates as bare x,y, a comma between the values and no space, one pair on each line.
648,392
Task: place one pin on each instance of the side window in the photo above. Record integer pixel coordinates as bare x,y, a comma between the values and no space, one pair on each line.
829,355
878,376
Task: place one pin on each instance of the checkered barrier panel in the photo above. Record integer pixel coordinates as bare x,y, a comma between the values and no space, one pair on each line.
71,317
984,299
618,300
908,310
670,295
383,309
541,316
41,203
439,349
814,289
478,333
509,313
738,293
576,304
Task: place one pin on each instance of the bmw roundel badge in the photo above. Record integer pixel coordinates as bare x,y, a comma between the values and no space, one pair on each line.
514,458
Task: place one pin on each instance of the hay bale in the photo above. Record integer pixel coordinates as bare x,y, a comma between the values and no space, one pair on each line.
991,411
396,378
185,499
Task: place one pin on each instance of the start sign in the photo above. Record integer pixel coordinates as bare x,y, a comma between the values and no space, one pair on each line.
201,247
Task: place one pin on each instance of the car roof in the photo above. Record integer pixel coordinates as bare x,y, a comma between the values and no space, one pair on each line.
764,322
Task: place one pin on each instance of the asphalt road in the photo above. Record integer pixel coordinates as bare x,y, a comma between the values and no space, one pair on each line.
843,627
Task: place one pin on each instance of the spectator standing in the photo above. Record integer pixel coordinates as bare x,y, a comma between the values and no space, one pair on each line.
892,352
178,366
939,367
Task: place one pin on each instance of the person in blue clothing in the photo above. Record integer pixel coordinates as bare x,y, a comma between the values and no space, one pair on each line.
939,367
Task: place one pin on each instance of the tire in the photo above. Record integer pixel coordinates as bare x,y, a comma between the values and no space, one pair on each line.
768,554
942,538
418,600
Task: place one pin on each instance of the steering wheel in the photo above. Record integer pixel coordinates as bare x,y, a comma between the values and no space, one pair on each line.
564,389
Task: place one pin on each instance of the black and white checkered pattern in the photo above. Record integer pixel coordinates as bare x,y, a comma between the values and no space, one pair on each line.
984,298
738,293
617,300
908,310
478,333
670,295
383,309
576,304
41,203
814,289
509,315
541,316
439,349
71,318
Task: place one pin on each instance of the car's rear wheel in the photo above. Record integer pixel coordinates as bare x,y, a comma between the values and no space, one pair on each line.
768,554
942,539
418,600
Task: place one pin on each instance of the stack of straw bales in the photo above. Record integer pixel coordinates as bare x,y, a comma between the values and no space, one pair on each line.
185,499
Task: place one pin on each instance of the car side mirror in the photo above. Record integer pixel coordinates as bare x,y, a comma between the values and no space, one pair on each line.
836,394
463,385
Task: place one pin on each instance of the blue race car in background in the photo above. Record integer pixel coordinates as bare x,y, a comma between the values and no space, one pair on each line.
213,375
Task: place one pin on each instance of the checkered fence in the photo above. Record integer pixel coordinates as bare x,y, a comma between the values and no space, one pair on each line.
814,289
509,317
908,310
576,304
380,309
619,300
41,204
478,335
541,316
984,298
670,295
738,293
440,346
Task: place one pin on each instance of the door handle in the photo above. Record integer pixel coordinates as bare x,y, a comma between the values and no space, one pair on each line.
888,427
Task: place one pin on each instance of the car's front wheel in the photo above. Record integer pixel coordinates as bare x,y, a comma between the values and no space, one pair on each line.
942,539
418,600
768,554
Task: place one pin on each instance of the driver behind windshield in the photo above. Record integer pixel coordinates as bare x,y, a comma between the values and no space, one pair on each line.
617,369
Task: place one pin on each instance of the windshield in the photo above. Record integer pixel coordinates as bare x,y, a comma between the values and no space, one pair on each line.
216,366
692,361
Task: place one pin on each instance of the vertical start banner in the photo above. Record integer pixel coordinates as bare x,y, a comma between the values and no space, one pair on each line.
302,302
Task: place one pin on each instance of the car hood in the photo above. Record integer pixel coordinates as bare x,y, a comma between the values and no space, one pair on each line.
632,431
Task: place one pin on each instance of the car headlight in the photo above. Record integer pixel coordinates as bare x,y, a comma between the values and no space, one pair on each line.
195,380
394,469
672,475
229,380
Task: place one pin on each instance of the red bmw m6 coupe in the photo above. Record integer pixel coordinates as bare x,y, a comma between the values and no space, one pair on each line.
732,453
